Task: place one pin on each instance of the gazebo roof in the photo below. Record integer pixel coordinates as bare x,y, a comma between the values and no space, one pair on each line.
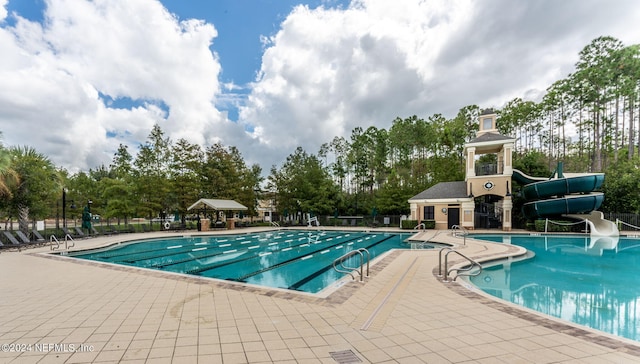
215,204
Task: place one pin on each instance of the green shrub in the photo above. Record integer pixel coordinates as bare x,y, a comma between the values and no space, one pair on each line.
409,224
555,228
429,224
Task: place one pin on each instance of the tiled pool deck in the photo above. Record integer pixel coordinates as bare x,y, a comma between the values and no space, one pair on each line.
59,310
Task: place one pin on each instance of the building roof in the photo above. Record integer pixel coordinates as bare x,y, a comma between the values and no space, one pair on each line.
443,190
490,137
217,205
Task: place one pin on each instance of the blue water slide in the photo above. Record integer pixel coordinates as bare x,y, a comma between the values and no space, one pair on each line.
563,195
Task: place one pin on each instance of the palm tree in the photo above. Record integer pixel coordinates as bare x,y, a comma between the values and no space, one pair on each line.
7,174
37,182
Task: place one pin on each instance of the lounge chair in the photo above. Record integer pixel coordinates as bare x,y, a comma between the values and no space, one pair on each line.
95,232
37,237
69,233
145,228
113,229
13,242
132,229
79,232
104,230
25,239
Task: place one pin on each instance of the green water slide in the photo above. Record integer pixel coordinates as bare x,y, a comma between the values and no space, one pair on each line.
570,194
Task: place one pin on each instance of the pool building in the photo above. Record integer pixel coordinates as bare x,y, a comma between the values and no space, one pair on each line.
483,199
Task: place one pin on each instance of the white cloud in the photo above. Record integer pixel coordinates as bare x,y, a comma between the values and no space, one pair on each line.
53,74
327,71
3,9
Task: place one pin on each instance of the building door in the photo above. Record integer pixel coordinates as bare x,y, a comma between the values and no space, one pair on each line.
453,217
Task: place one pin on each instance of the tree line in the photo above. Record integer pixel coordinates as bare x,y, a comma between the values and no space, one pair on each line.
588,120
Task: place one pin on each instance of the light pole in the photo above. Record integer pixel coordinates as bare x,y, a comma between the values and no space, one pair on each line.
64,207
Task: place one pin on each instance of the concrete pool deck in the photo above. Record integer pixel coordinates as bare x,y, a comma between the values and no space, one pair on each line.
55,309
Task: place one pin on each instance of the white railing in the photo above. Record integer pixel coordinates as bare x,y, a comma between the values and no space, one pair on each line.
547,221
620,222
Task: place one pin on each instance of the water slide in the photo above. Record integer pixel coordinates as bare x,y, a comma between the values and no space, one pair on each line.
566,194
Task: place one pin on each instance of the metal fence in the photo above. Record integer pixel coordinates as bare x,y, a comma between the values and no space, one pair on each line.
627,218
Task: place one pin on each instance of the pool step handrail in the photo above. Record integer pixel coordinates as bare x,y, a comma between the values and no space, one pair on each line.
273,223
340,267
463,271
458,231
424,227
53,239
68,238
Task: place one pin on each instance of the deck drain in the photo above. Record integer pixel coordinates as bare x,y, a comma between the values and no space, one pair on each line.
345,357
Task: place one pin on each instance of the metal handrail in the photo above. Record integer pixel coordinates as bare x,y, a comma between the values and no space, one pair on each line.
53,238
349,270
462,232
273,223
446,248
458,271
424,227
66,241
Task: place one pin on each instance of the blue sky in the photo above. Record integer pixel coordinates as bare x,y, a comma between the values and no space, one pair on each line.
267,76
240,25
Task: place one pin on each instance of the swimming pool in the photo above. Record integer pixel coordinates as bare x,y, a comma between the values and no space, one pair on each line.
591,282
300,260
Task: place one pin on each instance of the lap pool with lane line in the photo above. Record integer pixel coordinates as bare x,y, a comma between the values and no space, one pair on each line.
299,260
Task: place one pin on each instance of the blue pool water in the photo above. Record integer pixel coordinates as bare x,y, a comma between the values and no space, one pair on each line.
291,259
594,283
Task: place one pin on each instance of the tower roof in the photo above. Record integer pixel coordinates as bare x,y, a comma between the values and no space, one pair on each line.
490,137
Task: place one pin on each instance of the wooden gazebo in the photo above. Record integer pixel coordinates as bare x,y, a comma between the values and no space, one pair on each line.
205,204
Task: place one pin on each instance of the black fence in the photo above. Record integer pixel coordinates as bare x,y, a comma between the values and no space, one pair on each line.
627,218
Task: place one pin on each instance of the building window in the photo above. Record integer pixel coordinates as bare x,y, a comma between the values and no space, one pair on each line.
429,213
487,123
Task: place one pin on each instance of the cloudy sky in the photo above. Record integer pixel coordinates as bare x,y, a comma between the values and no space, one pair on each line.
79,77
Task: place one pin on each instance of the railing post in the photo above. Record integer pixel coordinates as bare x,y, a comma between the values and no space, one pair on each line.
446,266
361,266
440,260
445,275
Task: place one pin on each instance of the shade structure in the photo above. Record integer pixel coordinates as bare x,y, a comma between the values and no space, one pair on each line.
215,204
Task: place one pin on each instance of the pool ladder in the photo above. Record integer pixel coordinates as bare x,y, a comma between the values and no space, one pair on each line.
463,271
67,238
458,231
339,265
